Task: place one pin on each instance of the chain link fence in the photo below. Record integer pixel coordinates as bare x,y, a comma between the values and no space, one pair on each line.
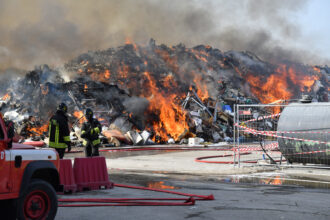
296,132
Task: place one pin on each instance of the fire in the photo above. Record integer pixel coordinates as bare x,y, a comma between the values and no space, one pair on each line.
129,41
107,74
171,61
101,77
280,84
38,130
85,88
5,97
84,62
78,114
169,81
165,115
202,91
123,71
303,81
201,55
172,119
317,69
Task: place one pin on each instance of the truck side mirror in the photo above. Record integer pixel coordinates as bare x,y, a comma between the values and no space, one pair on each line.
10,133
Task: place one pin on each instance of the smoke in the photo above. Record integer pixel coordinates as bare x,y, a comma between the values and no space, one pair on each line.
44,31
136,105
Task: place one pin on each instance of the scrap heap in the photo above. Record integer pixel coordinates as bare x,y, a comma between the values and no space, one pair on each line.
157,94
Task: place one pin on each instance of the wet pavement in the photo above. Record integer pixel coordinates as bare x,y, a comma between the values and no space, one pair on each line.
232,200
249,192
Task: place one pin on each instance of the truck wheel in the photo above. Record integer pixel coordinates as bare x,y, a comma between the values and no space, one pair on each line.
39,201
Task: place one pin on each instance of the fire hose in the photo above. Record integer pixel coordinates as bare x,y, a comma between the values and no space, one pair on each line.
92,202
202,159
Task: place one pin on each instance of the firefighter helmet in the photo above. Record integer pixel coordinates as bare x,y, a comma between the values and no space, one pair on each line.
63,107
89,113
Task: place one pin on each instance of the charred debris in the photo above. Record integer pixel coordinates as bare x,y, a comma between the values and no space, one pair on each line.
154,93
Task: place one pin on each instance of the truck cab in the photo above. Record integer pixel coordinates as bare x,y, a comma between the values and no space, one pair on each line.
29,178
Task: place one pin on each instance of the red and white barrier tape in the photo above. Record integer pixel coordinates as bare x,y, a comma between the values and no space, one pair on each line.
262,118
271,146
256,132
299,132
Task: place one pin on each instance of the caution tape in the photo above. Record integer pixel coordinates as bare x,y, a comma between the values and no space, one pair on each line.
272,146
263,117
298,132
265,133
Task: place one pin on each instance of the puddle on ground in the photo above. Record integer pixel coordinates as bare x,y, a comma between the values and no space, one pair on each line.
278,179
160,185
113,154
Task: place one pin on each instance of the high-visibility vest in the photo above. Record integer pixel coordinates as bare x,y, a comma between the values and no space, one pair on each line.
93,137
59,133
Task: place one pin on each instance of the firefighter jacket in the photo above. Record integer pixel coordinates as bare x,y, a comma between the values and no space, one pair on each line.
59,133
90,132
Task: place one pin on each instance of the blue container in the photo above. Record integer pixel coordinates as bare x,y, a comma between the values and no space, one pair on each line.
226,108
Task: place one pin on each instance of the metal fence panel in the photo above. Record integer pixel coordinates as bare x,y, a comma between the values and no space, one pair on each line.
299,130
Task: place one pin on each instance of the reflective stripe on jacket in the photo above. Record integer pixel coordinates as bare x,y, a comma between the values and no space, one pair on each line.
59,134
90,132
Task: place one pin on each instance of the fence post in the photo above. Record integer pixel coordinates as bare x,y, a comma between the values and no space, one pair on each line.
238,144
235,112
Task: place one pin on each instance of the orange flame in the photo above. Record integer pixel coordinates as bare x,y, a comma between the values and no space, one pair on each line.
5,97
38,130
277,86
201,55
79,115
102,77
172,119
317,69
107,74
129,41
202,91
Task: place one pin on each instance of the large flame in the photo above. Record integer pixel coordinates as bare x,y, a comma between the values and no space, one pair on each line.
38,130
165,116
172,120
163,75
79,115
280,84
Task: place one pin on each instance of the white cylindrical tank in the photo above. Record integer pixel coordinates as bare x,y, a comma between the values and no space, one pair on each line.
311,123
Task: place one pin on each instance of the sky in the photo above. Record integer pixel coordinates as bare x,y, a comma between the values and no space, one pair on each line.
37,32
314,20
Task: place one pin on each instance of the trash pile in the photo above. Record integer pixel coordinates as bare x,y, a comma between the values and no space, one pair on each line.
156,94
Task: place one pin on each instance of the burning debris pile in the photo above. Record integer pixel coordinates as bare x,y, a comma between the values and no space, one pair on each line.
158,94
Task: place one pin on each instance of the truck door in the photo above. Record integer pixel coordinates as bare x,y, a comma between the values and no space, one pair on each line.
4,161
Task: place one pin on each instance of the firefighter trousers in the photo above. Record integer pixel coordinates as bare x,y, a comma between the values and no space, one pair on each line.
60,152
92,151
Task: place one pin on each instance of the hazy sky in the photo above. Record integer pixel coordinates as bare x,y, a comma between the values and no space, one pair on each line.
36,32
315,22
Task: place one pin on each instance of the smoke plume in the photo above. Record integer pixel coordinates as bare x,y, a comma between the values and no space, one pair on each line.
44,31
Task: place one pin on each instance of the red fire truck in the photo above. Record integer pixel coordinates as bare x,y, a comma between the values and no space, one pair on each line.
29,179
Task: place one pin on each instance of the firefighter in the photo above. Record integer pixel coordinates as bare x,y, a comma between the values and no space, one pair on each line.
90,133
59,133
